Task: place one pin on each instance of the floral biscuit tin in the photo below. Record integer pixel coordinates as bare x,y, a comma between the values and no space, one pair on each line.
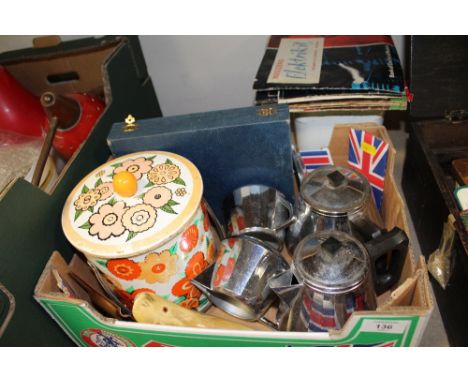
157,239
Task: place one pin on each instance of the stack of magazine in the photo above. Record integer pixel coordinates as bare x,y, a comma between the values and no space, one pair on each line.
326,73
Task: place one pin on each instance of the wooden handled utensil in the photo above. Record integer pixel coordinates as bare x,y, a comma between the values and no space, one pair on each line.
152,309
102,302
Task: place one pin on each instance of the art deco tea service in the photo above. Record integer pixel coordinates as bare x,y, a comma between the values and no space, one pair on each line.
315,261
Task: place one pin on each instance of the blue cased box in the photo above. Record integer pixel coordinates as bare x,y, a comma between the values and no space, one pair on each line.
231,148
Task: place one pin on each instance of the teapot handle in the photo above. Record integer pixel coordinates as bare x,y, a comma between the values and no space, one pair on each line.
364,228
394,243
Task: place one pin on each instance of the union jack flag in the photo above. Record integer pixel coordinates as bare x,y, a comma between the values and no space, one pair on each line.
316,158
368,155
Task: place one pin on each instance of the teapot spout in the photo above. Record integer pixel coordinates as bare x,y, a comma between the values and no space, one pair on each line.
203,280
224,301
282,285
289,295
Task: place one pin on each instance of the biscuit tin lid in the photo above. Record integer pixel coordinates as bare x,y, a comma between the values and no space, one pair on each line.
100,222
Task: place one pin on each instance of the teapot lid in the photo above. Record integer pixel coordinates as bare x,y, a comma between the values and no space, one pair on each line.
335,190
99,221
330,262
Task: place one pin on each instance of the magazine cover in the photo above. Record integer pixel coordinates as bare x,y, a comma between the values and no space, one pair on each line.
301,66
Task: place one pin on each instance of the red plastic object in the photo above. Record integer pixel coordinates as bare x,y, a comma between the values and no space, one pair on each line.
20,111
67,141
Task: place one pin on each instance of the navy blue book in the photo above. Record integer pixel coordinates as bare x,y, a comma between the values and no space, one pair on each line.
231,148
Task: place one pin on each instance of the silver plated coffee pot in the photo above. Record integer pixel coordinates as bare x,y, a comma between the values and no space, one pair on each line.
332,275
333,198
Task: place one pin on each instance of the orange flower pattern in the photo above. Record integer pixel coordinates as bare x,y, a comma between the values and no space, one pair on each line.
184,287
158,267
196,265
124,268
224,272
189,239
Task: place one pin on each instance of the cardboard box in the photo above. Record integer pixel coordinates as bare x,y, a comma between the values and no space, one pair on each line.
29,217
400,319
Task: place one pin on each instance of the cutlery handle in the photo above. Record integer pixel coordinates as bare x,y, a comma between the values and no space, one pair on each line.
153,309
